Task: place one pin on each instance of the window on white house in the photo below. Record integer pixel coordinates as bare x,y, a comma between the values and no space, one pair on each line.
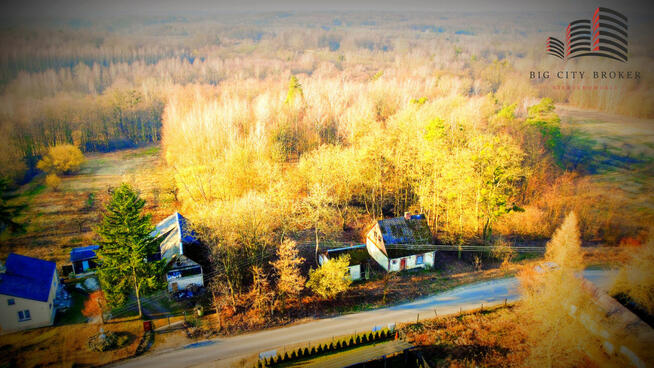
11,302
24,315
419,260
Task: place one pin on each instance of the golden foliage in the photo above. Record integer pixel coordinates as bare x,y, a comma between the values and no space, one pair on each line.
53,181
566,327
62,159
331,278
636,279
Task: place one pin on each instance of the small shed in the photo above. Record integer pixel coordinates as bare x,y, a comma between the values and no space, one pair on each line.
84,259
358,259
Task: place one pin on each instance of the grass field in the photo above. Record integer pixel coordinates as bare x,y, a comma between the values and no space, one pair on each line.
66,346
60,220
622,147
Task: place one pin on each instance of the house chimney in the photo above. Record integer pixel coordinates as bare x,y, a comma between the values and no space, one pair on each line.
407,215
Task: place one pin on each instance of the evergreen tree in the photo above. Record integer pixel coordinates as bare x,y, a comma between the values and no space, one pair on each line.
125,248
8,213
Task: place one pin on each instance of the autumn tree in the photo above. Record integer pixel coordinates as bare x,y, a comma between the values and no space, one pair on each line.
319,213
290,282
62,159
125,248
53,181
635,278
332,278
261,295
560,312
95,306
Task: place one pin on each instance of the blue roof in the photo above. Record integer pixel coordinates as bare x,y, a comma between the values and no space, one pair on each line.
83,253
27,277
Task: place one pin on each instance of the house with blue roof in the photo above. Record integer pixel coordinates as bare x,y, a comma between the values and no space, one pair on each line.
84,259
28,289
177,248
401,243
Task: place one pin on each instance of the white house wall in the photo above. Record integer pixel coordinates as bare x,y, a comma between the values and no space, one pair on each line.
184,282
355,272
377,254
427,261
41,313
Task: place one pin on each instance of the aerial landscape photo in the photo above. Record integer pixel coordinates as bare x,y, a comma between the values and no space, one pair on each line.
417,183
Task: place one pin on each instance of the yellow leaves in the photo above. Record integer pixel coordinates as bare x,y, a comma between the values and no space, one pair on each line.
331,278
62,159
564,248
53,181
636,279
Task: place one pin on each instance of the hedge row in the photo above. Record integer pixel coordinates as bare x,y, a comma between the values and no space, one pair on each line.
317,350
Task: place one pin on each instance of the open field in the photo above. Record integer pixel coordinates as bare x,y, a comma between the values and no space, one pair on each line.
623,149
62,219
66,346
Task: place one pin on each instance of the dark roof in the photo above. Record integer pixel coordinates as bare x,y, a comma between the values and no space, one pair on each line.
358,253
27,277
404,233
399,230
83,253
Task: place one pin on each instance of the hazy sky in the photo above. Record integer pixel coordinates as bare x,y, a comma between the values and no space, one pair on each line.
99,8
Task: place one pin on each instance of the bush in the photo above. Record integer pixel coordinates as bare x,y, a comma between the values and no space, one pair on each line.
53,181
104,341
61,159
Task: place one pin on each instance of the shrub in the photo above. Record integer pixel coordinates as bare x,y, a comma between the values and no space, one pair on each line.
305,352
61,159
350,342
53,181
313,351
105,341
330,279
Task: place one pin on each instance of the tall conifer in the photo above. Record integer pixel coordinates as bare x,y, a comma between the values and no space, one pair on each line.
126,246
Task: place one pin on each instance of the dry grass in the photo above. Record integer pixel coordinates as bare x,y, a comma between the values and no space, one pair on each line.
66,346
59,220
492,338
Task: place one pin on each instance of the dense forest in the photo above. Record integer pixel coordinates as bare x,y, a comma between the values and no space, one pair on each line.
274,133
408,112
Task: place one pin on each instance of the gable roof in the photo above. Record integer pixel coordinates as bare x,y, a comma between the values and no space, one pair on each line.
399,230
83,253
27,277
403,233
176,232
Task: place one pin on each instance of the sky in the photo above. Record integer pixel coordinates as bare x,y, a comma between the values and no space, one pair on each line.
101,8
